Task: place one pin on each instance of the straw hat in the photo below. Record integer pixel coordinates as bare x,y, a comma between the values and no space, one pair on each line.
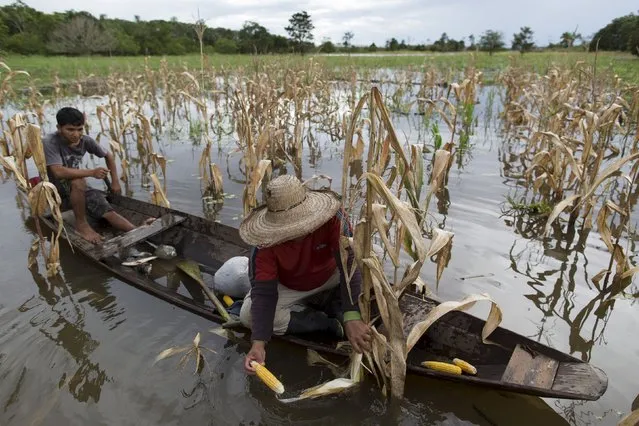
291,211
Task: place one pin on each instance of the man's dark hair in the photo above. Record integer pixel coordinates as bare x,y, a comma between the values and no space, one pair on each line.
68,115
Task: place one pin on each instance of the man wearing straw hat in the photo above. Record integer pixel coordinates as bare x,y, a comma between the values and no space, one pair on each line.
298,284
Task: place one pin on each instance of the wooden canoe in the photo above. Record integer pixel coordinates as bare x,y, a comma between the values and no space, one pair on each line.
514,363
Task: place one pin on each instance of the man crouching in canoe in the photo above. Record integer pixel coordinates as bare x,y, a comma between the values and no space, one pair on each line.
63,151
298,284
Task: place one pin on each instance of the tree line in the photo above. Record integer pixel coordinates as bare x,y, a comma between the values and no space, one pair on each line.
25,30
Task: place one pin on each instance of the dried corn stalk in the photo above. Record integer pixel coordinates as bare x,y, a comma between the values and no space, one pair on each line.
44,198
158,196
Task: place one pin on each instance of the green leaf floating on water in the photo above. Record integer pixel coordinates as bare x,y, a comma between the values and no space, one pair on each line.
192,269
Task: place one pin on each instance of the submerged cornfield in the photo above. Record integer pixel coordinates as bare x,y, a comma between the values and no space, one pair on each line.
394,144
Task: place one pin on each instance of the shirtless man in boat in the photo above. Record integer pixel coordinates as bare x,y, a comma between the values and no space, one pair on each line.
297,280
64,151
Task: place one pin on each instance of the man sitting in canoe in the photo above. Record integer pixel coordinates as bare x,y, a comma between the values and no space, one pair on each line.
64,151
297,281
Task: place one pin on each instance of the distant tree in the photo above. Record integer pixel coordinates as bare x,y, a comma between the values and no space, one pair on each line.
254,38
621,34
471,40
125,44
392,44
441,45
327,46
300,30
81,36
568,39
372,47
491,41
18,17
24,43
225,46
346,39
523,40
280,44
4,34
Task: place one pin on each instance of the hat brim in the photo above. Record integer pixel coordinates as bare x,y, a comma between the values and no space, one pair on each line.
263,228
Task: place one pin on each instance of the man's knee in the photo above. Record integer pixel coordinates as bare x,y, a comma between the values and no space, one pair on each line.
245,312
280,321
78,184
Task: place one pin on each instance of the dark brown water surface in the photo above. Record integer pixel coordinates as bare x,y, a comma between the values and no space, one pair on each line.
80,349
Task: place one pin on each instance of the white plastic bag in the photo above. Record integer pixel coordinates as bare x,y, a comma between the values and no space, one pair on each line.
232,278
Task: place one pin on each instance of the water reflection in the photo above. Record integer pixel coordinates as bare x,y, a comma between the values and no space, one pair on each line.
68,296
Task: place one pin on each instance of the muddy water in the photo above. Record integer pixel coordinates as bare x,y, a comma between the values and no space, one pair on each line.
80,349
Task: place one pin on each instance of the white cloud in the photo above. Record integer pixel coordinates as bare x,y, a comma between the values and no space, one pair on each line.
374,21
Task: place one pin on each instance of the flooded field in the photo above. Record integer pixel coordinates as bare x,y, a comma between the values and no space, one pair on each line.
80,348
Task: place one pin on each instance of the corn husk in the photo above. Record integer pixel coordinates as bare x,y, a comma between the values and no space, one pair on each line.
141,261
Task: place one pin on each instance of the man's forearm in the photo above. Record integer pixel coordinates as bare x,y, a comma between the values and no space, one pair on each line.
110,162
263,304
61,172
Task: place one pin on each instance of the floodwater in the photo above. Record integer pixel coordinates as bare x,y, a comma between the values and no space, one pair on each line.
80,349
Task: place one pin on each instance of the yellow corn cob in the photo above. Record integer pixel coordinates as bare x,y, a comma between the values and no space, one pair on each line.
444,367
465,366
227,300
268,378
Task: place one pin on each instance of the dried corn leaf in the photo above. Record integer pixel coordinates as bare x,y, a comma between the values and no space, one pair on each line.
32,260
599,276
344,243
125,173
216,178
9,164
410,275
440,168
557,210
158,196
569,155
441,247
382,226
53,259
314,358
34,141
493,321
402,210
348,146
192,269
417,166
631,419
629,273
612,170
167,353
393,321
254,182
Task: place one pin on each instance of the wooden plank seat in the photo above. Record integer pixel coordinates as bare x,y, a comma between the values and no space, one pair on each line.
114,245
530,368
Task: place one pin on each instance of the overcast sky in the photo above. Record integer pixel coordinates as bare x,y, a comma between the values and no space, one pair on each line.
416,21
